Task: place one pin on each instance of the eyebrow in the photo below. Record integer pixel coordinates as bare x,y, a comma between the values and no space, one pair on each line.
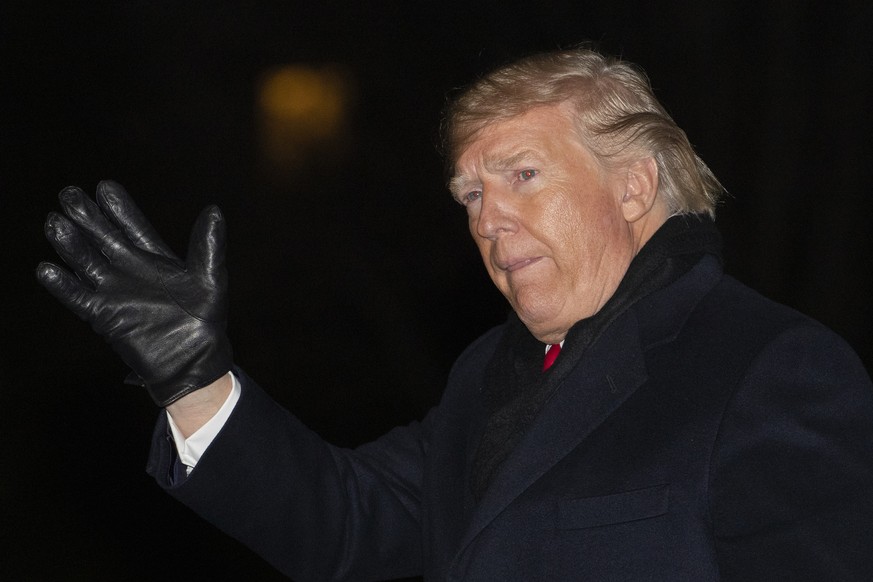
497,162
458,184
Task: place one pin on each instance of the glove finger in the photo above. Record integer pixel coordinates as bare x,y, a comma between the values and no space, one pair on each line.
85,214
74,248
118,205
67,289
206,246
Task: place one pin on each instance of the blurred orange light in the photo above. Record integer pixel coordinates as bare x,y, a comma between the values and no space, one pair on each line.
301,109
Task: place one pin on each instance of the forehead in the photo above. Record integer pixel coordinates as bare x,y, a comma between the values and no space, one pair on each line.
538,133
540,136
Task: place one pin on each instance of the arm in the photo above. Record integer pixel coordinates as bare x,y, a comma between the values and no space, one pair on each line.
312,510
792,475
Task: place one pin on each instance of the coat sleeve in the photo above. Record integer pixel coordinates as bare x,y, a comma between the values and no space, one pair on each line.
314,511
792,472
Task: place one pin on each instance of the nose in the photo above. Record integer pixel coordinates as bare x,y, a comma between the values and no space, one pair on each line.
496,215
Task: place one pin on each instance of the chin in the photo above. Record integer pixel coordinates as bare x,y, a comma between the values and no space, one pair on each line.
548,321
543,326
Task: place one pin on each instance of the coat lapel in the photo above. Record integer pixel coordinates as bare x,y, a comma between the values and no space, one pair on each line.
609,372
606,375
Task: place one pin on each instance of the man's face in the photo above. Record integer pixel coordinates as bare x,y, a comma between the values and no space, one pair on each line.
547,219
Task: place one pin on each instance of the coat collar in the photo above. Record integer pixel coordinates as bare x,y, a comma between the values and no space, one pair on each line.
516,391
606,375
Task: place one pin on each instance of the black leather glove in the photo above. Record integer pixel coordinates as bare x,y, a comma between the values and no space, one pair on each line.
165,318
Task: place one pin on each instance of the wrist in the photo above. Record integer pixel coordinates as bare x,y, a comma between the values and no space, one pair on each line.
196,408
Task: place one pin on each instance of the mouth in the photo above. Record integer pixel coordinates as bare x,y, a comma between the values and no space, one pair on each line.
518,264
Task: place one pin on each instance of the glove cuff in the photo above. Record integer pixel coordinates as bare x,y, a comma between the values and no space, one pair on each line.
214,361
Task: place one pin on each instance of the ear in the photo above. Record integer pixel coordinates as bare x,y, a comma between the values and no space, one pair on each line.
641,189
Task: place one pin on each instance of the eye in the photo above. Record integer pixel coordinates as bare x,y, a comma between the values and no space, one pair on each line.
528,174
470,197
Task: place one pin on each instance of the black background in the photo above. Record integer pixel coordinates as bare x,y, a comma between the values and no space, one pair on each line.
361,246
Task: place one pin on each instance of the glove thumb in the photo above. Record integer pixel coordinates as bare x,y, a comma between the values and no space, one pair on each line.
202,288
206,247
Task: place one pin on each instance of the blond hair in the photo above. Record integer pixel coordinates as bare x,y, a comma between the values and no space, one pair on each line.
618,118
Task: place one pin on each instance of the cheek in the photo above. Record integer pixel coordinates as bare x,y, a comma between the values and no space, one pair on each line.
472,221
583,228
566,219
499,278
484,246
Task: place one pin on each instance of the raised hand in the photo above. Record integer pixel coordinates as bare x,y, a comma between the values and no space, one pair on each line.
166,318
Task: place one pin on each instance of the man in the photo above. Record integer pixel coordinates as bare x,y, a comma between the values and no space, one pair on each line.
682,426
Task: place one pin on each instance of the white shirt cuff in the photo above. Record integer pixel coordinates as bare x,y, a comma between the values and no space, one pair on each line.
191,449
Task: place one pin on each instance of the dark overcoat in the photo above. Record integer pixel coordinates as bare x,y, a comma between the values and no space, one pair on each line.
707,434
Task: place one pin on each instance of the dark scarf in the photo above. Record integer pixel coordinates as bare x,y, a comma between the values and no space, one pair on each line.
515,388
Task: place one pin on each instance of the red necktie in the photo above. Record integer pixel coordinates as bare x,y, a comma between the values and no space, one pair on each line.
551,356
